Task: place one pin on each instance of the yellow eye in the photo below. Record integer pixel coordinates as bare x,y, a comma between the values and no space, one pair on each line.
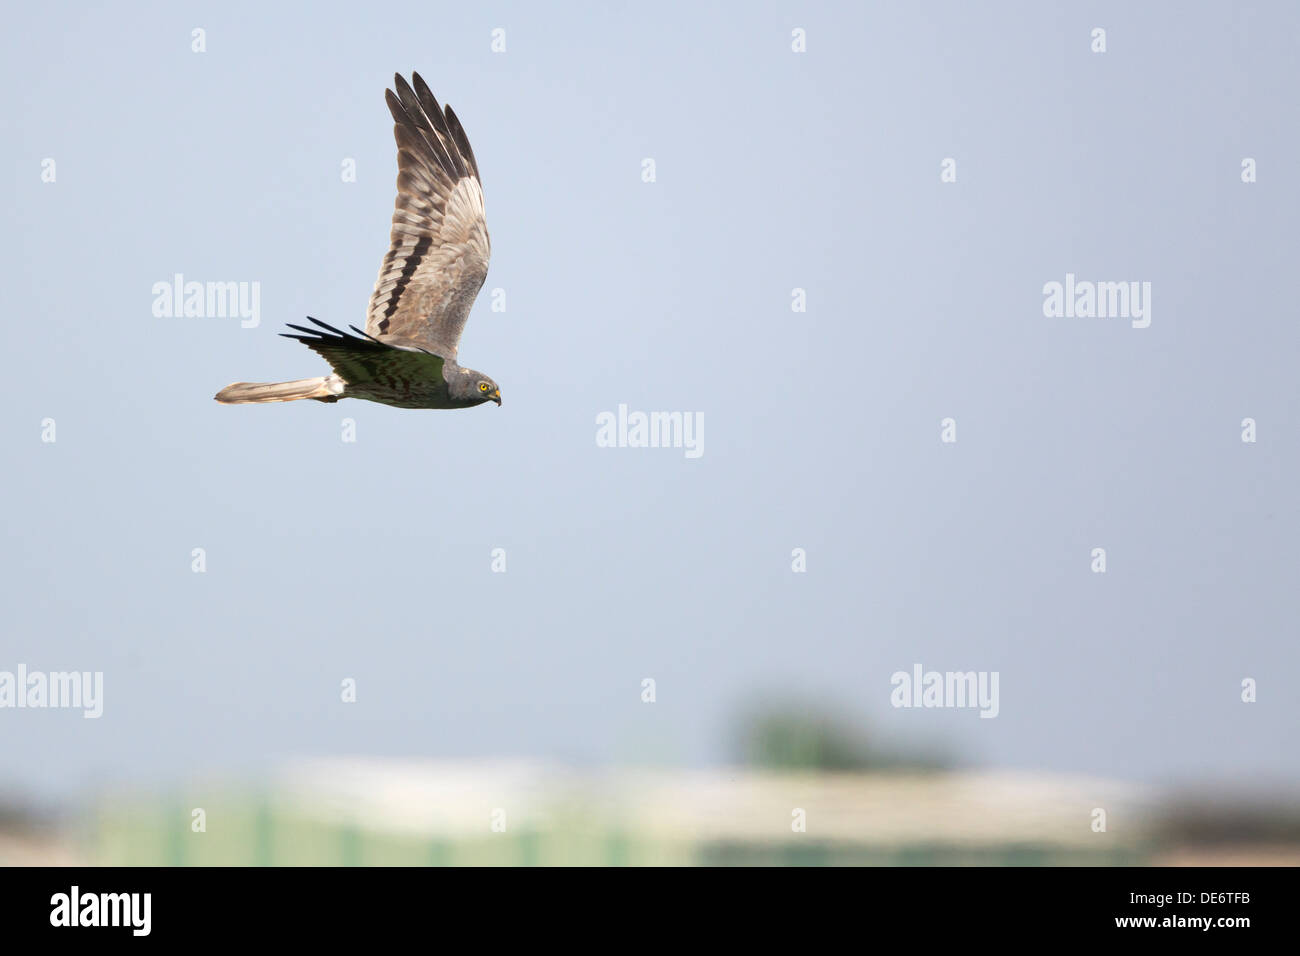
482,386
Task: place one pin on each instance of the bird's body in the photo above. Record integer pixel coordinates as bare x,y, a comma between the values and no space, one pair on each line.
435,266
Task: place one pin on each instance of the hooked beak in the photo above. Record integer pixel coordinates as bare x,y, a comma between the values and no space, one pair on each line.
496,396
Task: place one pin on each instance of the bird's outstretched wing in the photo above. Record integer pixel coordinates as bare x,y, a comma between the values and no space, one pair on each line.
365,360
439,254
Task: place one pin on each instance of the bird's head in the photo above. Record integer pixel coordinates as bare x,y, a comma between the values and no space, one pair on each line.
478,388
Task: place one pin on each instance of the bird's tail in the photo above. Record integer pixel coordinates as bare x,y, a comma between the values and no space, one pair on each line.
241,393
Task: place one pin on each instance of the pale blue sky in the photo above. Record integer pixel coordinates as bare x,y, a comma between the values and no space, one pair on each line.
775,170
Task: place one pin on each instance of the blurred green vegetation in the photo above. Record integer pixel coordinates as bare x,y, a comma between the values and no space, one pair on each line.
805,736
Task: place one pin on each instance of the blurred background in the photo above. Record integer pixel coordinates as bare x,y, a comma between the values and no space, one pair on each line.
806,789
495,588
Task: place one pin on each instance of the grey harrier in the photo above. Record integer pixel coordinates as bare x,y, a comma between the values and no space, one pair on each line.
435,266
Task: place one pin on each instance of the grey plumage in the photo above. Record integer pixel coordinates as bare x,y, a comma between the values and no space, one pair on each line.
436,264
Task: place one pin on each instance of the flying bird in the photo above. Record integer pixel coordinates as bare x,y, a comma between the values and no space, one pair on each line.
436,263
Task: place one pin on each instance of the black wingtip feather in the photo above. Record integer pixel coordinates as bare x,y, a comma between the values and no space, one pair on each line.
462,142
419,108
333,337
328,328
